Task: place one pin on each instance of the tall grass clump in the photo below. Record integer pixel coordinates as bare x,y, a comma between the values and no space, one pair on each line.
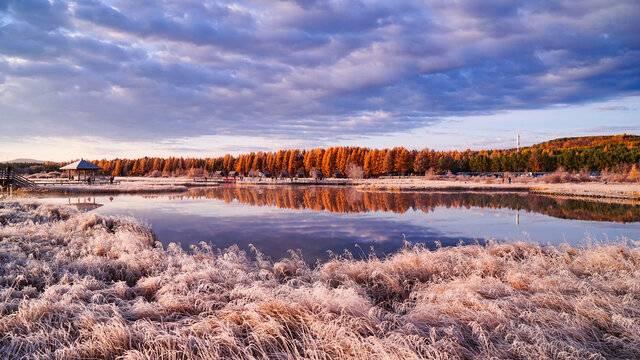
82,286
563,176
623,173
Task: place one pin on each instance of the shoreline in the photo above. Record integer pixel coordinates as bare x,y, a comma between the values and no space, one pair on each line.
626,191
125,187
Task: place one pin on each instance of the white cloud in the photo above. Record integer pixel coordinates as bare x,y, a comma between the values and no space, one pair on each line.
314,71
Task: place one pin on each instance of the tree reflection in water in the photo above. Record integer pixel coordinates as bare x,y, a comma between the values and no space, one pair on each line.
350,200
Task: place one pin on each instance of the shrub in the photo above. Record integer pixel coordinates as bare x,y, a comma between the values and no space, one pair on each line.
355,171
559,176
621,173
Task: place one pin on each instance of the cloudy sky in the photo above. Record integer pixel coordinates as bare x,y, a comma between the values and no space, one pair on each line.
108,78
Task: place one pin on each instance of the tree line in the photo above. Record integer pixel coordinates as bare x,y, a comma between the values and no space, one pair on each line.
545,157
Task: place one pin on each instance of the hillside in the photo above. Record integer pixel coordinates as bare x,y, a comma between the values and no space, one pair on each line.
23,161
630,141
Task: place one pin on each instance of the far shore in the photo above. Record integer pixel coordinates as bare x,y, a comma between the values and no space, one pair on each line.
131,185
573,189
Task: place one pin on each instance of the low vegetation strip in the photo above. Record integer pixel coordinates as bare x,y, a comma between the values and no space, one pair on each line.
578,189
124,188
79,285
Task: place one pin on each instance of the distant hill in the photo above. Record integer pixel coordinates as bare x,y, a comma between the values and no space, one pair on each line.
630,141
24,161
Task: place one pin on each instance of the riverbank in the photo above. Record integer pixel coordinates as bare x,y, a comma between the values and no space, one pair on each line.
583,189
80,285
103,189
627,191
124,185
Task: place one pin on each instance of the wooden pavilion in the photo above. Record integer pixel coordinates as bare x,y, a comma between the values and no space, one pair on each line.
82,167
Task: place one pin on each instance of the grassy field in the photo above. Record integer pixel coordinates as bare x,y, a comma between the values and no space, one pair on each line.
82,286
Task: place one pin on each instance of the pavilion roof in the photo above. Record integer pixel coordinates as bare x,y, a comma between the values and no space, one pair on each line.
81,165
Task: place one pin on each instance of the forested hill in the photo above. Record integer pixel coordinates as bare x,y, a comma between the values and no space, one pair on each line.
630,141
580,153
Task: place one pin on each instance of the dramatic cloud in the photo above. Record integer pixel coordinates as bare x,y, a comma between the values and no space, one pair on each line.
125,69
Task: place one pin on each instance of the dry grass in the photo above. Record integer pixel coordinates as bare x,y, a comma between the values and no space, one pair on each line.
563,176
122,188
45,175
623,173
81,286
431,175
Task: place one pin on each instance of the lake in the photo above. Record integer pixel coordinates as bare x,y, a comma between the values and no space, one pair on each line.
319,220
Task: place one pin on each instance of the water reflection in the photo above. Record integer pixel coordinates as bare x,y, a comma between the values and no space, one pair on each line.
349,200
85,203
322,219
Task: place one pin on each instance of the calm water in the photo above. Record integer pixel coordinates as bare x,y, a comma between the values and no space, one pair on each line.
318,220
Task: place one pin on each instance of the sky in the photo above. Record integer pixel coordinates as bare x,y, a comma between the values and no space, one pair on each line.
120,78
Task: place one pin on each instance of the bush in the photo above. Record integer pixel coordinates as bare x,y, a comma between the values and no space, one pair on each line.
155,174
559,176
431,175
355,171
621,173
634,174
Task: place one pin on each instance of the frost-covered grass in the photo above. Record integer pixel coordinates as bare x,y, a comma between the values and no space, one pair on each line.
122,188
493,184
78,285
122,185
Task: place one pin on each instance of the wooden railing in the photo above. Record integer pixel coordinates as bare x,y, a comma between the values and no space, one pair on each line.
16,180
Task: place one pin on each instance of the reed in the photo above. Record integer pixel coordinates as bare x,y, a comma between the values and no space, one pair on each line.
81,286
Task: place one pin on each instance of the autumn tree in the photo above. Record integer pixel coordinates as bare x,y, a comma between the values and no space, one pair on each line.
341,159
228,163
117,171
285,162
329,162
403,160
368,168
136,168
389,165
421,163
309,161
295,162
257,162
279,160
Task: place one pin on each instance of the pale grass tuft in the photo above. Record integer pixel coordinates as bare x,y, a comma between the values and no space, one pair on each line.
623,173
560,176
81,286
